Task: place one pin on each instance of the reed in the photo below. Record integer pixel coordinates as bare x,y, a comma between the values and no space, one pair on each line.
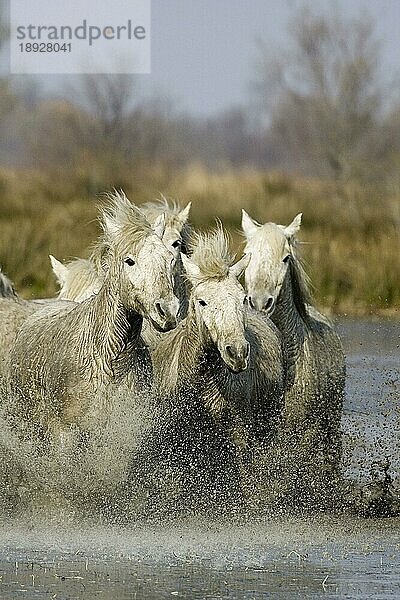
350,232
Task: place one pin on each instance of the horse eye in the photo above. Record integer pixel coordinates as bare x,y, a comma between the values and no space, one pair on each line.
129,261
177,244
287,258
202,303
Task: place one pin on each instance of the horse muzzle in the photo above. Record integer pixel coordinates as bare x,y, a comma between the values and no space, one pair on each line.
262,303
164,314
236,357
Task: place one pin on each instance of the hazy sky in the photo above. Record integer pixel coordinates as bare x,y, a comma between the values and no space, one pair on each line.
204,51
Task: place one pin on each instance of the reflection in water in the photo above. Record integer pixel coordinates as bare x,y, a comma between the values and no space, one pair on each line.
286,557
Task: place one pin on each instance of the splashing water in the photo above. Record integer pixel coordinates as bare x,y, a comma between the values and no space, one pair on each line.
74,526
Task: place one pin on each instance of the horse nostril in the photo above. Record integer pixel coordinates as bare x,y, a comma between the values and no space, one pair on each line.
160,310
269,303
230,351
251,302
247,350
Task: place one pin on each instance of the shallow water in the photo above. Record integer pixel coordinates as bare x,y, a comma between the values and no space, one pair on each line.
284,557
371,419
292,558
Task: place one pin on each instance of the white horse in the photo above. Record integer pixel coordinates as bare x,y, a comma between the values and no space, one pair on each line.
82,278
219,375
69,359
276,284
13,311
79,279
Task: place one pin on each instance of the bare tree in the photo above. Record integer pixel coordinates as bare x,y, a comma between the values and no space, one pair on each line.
324,97
109,98
109,103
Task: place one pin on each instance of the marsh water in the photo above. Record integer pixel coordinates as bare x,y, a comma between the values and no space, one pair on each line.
279,556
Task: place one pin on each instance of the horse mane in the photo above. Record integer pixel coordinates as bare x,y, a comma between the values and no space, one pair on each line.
210,252
124,225
154,208
300,284
106,327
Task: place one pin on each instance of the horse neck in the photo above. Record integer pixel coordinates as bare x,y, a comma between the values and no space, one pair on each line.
180,289
194,343
192,347
109,326
178,356
288,319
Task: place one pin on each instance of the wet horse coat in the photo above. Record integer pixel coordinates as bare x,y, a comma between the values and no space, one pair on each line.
68,359
219,376
82,278
276,283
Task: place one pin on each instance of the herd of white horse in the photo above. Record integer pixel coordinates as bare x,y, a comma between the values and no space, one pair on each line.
237,375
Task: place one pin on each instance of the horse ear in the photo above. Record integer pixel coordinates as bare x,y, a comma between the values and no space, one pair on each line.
184,214
59,270
291,230
240,266
192,270
111,225
117,213
248,225
159,226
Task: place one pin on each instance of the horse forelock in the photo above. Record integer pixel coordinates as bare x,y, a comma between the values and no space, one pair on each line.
210,252
171,209
126,218
154,208
268,235
131,231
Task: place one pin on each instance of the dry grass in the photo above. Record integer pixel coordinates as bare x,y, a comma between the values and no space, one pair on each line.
352,233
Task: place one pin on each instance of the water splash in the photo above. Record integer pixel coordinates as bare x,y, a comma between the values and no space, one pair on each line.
135,467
